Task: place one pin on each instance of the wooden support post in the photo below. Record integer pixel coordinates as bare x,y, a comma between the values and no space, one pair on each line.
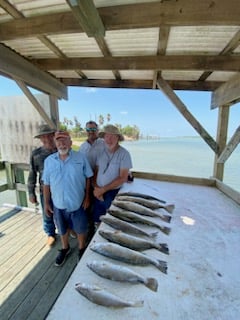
21,195
10,176
222,129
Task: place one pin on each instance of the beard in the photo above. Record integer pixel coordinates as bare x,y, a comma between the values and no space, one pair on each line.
63,151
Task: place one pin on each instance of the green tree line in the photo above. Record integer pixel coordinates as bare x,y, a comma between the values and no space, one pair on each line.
77,129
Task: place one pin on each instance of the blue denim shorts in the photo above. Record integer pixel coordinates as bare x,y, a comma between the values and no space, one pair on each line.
100,207
75,220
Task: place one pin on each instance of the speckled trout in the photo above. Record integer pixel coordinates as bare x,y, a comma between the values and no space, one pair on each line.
131,242
136,218
104,298
139,209
151,204
126,227
115,272
117,252
140,195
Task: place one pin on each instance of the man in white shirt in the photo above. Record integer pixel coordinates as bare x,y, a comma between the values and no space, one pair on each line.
93,145
112,168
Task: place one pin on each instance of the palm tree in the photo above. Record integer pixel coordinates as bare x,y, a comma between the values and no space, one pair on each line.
101,120
108,117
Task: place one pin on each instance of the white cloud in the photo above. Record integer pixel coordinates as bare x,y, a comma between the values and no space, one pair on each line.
124,112
90,90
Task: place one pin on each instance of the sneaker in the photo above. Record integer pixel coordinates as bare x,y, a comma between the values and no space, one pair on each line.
80,253
51,241
63,253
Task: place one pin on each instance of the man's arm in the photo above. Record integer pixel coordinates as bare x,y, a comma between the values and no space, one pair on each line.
32,179
47,196
87,198
123,176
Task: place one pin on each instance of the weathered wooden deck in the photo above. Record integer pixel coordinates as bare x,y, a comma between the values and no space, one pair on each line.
29,281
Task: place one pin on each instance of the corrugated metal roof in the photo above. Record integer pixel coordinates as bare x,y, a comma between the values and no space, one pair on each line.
76,45
134,42
31,48
199,39
154,27
37,7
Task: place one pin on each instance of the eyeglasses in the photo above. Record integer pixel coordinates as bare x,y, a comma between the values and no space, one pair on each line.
91,129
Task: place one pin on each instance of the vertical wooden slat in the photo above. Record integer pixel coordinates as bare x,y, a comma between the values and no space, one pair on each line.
21,195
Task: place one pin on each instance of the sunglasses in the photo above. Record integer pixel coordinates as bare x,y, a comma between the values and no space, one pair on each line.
91,129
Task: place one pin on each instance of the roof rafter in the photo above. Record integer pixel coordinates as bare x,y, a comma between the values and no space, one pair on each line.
19,68
141,84
174,62
88,18
141,15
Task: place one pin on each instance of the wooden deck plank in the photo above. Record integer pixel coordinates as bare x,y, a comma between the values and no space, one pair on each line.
17,239
20,216
49,287
29,281
18,261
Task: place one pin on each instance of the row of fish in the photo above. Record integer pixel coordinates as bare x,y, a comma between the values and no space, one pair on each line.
125,244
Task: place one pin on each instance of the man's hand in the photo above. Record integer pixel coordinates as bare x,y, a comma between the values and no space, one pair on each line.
86,203
48,209
33,199
98,193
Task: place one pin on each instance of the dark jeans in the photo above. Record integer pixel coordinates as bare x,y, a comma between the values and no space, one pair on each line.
48,223
100,207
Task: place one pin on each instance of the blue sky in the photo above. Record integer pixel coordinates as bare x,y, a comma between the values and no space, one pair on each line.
150,110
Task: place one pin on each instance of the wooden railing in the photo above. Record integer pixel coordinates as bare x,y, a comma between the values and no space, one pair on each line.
16,181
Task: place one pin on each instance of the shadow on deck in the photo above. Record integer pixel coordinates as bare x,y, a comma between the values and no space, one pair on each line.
29,281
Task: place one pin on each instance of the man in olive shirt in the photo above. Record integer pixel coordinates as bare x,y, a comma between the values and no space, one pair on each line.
46,136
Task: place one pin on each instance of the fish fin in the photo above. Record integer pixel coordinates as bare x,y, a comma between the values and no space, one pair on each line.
169,208
153,235
162,266
152,284
165,230
166,218
163,247
138,303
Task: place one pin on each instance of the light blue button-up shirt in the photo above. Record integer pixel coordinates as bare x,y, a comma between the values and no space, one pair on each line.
67,179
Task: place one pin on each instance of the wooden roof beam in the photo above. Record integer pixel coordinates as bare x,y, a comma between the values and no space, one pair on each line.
170,62
162,47
88,17
227,94
141,15
15,66
141,84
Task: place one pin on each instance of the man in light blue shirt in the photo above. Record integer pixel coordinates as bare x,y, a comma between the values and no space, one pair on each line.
66,178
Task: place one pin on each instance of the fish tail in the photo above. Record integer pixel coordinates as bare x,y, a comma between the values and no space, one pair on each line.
165,230
162,266
153,235
138,303
169,208
152,284
166,218
163,247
